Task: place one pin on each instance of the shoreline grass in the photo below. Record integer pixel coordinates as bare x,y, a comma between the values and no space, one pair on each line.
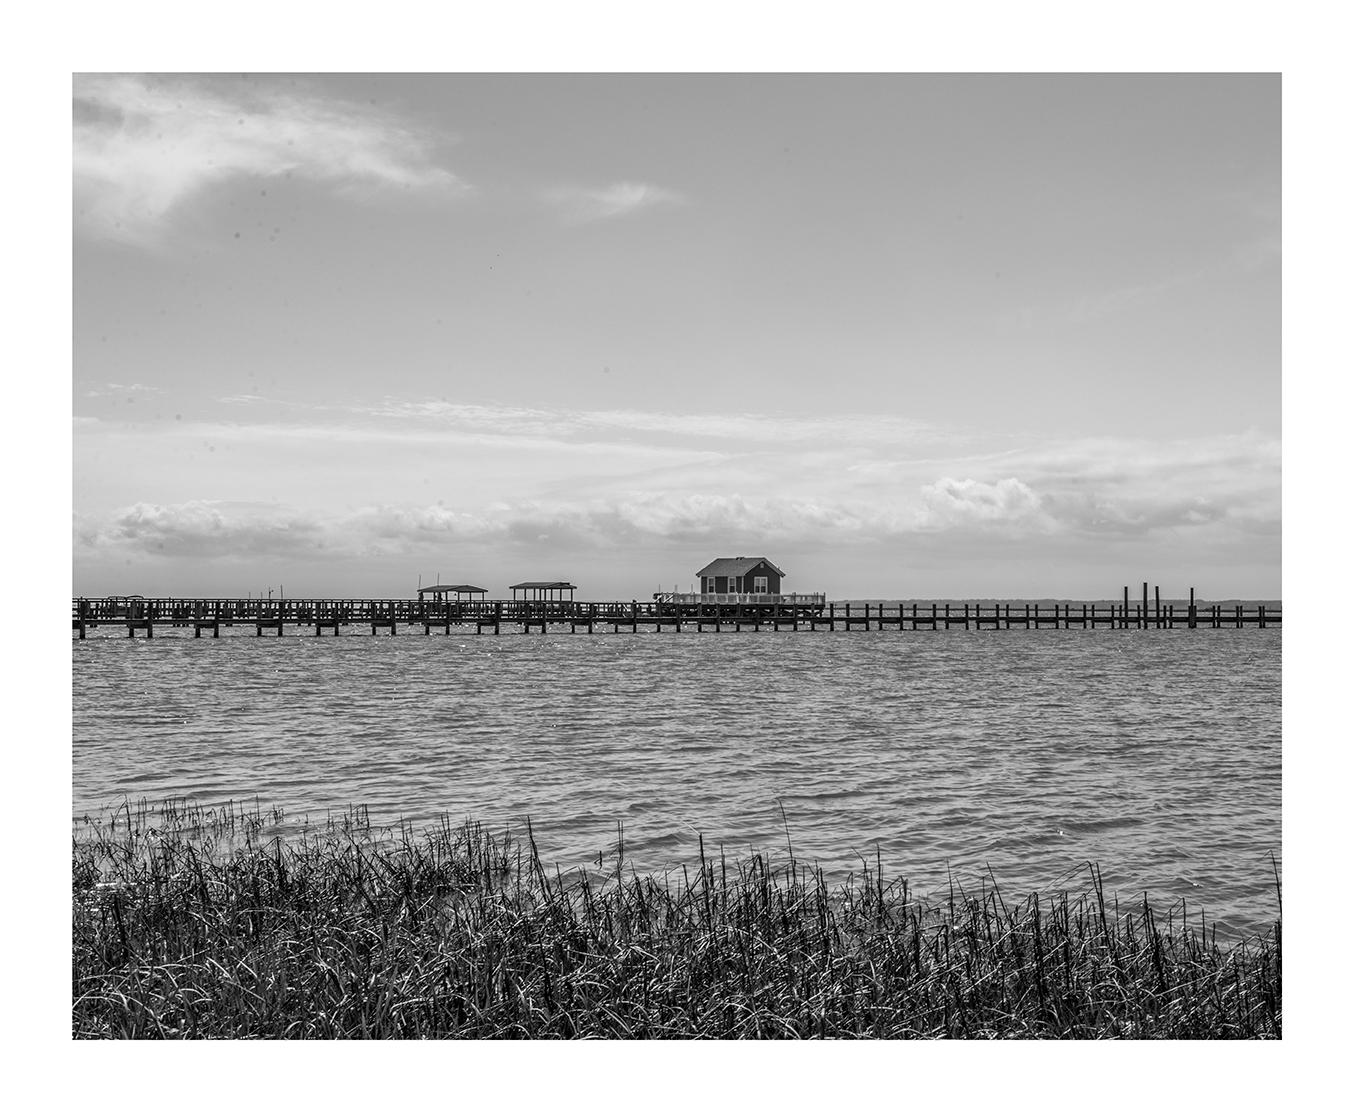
190,922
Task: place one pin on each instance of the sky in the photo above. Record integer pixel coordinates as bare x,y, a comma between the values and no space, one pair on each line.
907,336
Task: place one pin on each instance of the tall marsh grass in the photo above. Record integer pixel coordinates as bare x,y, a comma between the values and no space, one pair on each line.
196,923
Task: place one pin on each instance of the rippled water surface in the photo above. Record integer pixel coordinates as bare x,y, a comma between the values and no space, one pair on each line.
1154,753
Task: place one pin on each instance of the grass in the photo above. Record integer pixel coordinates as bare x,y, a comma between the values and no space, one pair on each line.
194,923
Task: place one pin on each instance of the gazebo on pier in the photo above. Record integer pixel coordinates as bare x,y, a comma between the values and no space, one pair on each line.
542,591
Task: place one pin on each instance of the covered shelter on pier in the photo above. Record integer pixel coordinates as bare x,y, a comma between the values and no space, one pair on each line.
440,592
543,591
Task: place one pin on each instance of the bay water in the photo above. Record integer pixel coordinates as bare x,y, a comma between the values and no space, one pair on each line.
957,757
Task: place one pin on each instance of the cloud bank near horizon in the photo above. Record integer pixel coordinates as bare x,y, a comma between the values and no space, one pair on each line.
405,483
956,507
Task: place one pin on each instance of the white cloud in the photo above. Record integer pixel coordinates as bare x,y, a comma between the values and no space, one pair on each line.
583,205
146,145
200,529
1008,502
761,428
208,529
108,389
947,514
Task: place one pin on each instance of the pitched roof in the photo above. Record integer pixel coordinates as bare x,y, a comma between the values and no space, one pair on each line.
458,588
736,565
558,584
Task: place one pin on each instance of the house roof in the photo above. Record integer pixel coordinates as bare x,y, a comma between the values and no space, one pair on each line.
559,585
736,565
458,588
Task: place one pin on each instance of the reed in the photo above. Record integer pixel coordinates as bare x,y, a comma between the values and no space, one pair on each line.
200,923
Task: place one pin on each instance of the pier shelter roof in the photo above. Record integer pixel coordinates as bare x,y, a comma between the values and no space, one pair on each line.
737,565
452,589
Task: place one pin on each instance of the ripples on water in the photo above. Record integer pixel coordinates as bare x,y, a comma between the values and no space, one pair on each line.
1154,753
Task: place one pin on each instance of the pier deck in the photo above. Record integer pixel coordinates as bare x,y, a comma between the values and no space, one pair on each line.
483,616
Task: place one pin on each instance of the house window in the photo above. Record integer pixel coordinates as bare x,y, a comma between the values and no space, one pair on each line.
759,584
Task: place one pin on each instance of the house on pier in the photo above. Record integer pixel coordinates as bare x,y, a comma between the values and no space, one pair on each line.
740,575
740,582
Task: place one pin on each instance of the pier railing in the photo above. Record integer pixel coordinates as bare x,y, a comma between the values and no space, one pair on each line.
693,599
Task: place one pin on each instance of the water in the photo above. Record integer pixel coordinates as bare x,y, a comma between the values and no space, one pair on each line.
1154,753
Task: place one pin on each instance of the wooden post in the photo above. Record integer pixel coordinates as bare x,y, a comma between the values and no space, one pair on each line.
1125,626
1157,590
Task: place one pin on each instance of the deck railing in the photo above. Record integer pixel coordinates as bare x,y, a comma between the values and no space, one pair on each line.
712,599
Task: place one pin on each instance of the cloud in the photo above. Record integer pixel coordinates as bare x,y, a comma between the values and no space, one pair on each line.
145,146
225,530
964,502
1048,500
761,428
582,205
204,530
1111,486
109,389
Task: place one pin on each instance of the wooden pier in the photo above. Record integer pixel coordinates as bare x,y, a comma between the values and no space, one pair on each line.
664,613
